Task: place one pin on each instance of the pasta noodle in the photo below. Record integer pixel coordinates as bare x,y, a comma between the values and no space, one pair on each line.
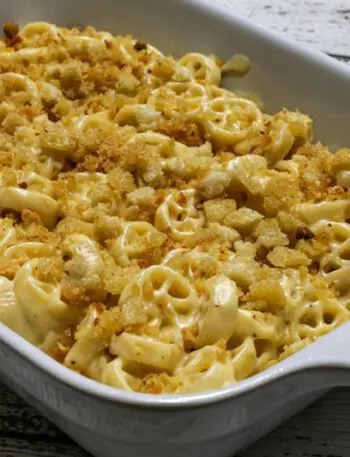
159,233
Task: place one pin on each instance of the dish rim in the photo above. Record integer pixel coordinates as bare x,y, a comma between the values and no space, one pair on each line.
293,46
289,366
286,367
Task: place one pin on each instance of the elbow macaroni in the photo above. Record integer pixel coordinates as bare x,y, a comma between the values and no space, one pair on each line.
159,233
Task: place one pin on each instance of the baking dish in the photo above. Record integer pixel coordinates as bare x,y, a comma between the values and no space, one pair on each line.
109,422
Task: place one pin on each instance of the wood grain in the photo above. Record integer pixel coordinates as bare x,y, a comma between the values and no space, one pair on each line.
323,24
322,430
15,447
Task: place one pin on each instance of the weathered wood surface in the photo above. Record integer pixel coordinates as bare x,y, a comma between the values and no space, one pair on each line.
323,24
323,429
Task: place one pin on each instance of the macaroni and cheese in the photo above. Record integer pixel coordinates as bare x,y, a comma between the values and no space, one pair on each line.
159,233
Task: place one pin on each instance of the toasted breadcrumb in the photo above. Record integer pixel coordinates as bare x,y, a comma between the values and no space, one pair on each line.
217,210
121,180
99,130
268,234
49,270
243,219
183,131
268,294
287,258
115,280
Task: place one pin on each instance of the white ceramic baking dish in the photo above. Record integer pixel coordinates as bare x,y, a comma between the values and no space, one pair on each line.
109,422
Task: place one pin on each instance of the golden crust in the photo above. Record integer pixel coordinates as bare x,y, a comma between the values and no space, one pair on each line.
144,161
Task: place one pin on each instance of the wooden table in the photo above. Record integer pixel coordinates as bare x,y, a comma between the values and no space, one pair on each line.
323,429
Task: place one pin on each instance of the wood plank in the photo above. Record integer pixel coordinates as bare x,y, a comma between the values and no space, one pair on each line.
319,431
323,24
16,417
22,447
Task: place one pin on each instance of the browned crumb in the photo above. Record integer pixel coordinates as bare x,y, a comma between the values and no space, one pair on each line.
29,216
76,294
121,180
6,158
63,345
11,34
49,270
140,45
189,335
116,277
304,233
10,30
185,132
154,383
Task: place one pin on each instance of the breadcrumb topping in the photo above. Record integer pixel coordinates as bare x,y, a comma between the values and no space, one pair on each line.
159,233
